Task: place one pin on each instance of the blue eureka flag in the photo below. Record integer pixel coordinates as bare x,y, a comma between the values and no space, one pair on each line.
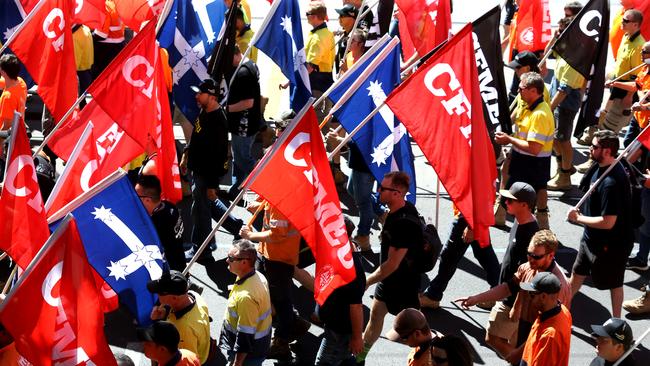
282,41
122,244
383,141
190,33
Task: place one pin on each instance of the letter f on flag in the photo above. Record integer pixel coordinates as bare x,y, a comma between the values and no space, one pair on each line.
445,91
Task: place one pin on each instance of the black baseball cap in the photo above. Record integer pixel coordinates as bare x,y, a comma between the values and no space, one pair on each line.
162,333
525,58
545,282
616,329
521,191
170,283
207,86
406,322
348,10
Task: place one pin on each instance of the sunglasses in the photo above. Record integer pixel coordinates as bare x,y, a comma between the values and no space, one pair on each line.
382,188
595,147
536,256
625,21
231,258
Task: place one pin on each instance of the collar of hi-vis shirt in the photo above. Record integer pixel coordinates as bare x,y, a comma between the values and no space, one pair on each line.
318,27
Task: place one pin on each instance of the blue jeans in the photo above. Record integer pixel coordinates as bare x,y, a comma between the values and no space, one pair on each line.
644,229
360,188
453,250
334,349
633,130
242,160
204,210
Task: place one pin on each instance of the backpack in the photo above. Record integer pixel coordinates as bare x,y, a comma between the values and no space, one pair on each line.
429,250
636,187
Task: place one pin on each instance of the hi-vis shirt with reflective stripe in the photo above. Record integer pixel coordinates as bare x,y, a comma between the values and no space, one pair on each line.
247,320
536,125
113,29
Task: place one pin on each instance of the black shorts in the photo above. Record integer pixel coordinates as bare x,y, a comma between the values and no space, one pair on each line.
533,170
397,299
606,267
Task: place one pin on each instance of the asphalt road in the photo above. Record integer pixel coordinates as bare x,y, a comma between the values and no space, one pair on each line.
590,306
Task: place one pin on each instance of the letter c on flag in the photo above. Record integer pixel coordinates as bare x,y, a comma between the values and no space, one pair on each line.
435,72
296,142
86,174
52,33
79,4
52,278
127,71
586,20
16,166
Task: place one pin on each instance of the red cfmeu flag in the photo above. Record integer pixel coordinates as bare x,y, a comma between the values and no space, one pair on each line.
307,196
55,312
114,146
423,24
24,227
135,12
125,89
531,29
78,175
165,159
90,12
440,105
44,45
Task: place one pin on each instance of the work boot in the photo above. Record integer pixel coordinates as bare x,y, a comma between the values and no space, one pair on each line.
584,167
427,302
363,241
279,349
561,182
542,218
588,134
640,305
499,214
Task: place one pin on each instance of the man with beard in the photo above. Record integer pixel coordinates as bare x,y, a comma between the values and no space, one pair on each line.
609,236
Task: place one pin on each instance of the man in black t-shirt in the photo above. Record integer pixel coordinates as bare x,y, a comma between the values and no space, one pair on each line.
609,236
342,315
244,118
206,156
165,218
397,278
520,203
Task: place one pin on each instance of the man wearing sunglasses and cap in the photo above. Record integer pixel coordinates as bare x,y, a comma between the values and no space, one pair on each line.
511,319
613,339
549,341
206,156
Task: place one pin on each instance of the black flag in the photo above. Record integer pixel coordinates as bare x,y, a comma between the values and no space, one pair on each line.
220,65
489,61
583,45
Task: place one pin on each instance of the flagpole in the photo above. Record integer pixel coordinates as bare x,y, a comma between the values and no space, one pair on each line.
58,123
347,138
609,168
22,25
8,283
164,14
50,241
354,27
634,346
75,153
437,199
249,180
354,67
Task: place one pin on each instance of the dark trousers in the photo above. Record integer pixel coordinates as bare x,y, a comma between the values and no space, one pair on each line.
280,275
453,250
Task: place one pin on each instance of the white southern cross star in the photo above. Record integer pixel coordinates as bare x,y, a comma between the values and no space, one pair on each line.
379,155
117,270
191,57
375,90
286,24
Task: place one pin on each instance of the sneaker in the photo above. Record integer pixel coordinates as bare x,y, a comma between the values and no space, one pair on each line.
299,328
427,302
279,350
588,134
363,241
206,257
486,305
634,263
640,305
